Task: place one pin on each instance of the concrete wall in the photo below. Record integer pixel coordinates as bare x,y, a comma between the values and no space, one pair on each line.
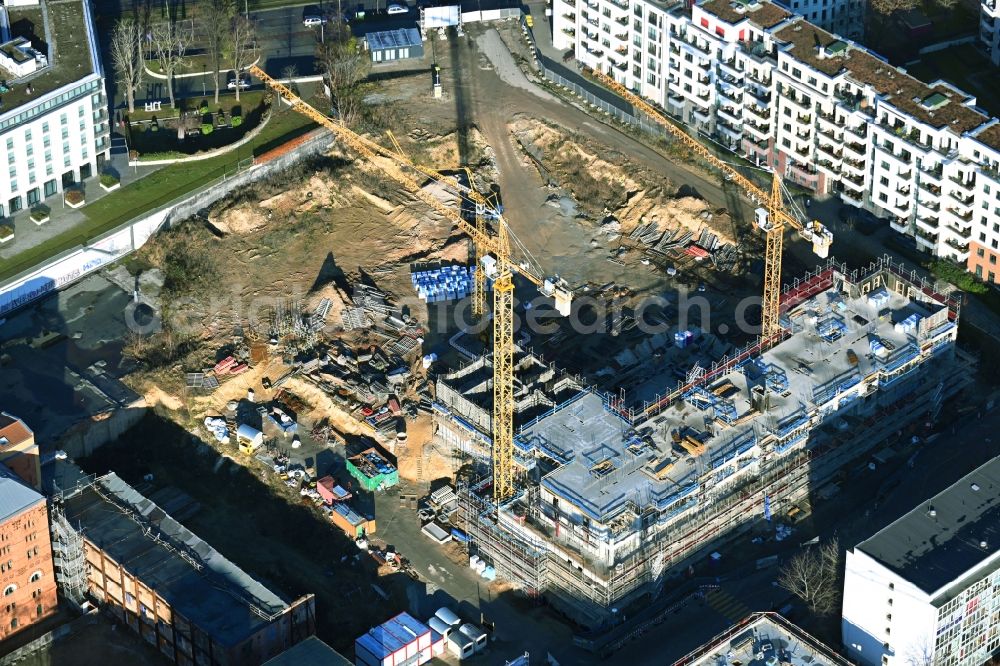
867,608
70,266
85,437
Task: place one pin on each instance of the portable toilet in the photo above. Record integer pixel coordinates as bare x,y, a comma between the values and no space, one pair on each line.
447,616
249,439
461,645
476,635
440,626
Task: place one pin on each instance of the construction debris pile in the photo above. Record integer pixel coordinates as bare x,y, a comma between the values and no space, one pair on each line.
681,242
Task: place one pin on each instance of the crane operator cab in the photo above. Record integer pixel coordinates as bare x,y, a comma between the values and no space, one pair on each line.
815,232
554,288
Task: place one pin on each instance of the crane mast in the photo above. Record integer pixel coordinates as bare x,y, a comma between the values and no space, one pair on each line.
495,262
771,217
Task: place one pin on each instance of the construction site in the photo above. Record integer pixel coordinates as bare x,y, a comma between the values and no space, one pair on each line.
589,468
617,494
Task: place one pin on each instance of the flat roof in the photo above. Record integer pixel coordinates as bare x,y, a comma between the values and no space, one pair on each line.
217,599
989,136
393,39
310,652
16,496
762,639
941,540
70,57
762,14
808,44
603,464
392,635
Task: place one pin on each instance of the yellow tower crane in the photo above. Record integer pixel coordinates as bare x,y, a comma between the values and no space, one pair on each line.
772,217
497,264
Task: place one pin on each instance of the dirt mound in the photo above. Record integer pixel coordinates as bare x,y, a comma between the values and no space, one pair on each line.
605,183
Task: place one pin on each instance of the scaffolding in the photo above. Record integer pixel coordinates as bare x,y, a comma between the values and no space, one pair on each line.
68,558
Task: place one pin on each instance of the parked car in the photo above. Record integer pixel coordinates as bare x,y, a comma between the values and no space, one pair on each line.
244,82
313,20
397,9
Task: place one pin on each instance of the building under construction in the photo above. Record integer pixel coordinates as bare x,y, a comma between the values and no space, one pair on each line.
119,549
615,496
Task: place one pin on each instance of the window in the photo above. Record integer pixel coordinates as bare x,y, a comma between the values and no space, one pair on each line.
980,252
14,205
49,188
892,586
13,623
62,119
33,198
993,258
35,577
38,610
890,601
9,590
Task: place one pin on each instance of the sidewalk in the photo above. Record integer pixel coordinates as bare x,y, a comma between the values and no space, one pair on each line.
62,218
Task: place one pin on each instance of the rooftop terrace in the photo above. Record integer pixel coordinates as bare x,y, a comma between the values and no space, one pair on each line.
942,539
220,597
809,44
762,14
603,462
68,41
763,639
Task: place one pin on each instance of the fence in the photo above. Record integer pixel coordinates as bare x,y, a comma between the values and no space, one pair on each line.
71,265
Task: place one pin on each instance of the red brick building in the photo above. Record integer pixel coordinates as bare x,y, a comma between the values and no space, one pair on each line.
19,451
27,580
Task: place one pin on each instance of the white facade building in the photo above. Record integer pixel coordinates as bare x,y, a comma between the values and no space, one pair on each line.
989,29
827,113
926,589
54,128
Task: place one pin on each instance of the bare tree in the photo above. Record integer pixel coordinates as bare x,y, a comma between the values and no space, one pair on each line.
170,44
126,53
344,67
217,21
814,577
242,47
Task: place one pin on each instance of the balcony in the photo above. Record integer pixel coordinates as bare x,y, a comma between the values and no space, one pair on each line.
759,53
927,224
964,200
620,4
860,131
857,181
733,95
803,134
965,183
729,67
675,99
764,114
728,131
762,96
759,144
703,99
620,66
930,187
961,247
856,148
967,217
729,114
622,20
803,171
705,65
622,50
701,115
925,241
855,167
830,152
829,134
931,173
961,233
903,190
855,198
804,119
932,206
762,132
593,22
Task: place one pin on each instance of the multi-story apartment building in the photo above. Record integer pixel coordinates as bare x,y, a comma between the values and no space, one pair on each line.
989,29
926,589
27,581
54,128
19,451
825,112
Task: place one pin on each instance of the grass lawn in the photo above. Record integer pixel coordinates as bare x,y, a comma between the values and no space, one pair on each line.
155,190
965,67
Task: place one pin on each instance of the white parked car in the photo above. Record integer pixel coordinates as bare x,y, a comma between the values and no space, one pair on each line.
244,82
313,21
397,9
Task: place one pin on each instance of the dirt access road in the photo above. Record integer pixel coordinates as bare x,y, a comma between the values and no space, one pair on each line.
492,99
